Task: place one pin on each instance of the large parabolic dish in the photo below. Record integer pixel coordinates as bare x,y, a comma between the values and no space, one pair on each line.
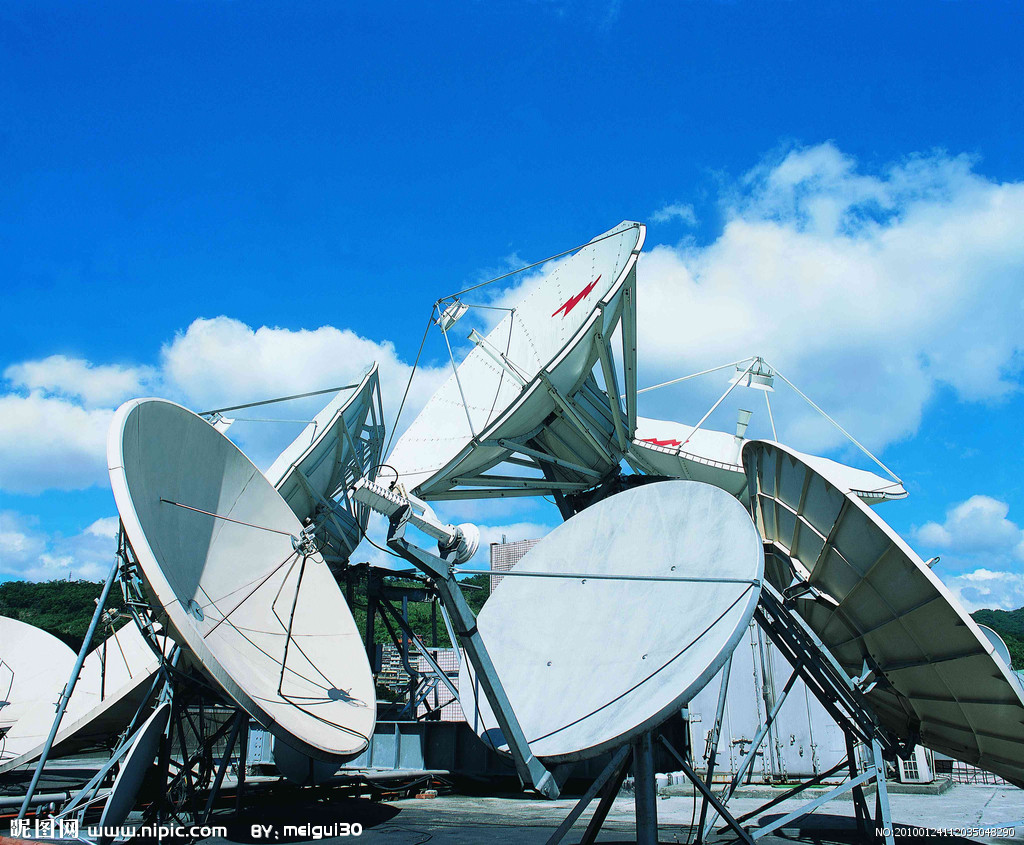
877,606
214,541
530,384
342,444
589,663
34,666
677,451
115,679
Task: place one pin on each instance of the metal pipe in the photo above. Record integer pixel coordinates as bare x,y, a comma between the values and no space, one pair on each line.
695,375
847,434
716,732
280,399
721,399
645,791
601,577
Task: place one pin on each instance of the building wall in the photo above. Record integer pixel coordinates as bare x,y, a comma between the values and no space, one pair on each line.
506,555
804,740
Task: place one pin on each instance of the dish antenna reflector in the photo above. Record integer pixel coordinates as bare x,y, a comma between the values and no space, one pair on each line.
998,644
237,581
34,666
115,679
925,666
664,579
527,393
343,443
679,451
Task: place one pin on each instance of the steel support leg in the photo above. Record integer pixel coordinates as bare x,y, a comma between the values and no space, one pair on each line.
860,804
645,791
608,795
751,754
708,795
243,761
716,732
883,817
223,767
530,769
617,763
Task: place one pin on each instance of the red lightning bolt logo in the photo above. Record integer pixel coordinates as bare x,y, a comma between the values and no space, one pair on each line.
573,301
657,442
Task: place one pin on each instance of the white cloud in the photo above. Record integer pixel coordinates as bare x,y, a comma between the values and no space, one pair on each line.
985,588
18,543
982,550
681,211
30,554
866,290
55,436
95,385
51,443
221,361
105,527
978,524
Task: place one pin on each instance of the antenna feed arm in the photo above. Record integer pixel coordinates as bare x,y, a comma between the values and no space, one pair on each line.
393,503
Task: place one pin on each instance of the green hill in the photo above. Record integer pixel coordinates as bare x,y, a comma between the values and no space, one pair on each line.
62,608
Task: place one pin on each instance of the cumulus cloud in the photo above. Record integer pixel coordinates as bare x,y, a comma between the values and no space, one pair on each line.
94,385
54,435
51,443
681,211
978,524
866,290
28,553
985,588
222,361
981,553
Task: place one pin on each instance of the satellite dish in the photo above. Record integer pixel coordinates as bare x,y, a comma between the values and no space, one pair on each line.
234,580
590,663
875,604
115,678
677,451
34,666
537,361
133,770
342,444
998,644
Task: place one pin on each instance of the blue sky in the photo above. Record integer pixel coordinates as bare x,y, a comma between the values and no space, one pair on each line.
835,185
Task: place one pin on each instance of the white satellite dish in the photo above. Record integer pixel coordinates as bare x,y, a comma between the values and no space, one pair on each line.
233,578
998,644
877,606
528,387
139,758
34,666
342,444
678,451
590,662
115,678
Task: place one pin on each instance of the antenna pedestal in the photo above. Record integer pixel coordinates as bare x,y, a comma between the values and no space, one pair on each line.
440,569
190,775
